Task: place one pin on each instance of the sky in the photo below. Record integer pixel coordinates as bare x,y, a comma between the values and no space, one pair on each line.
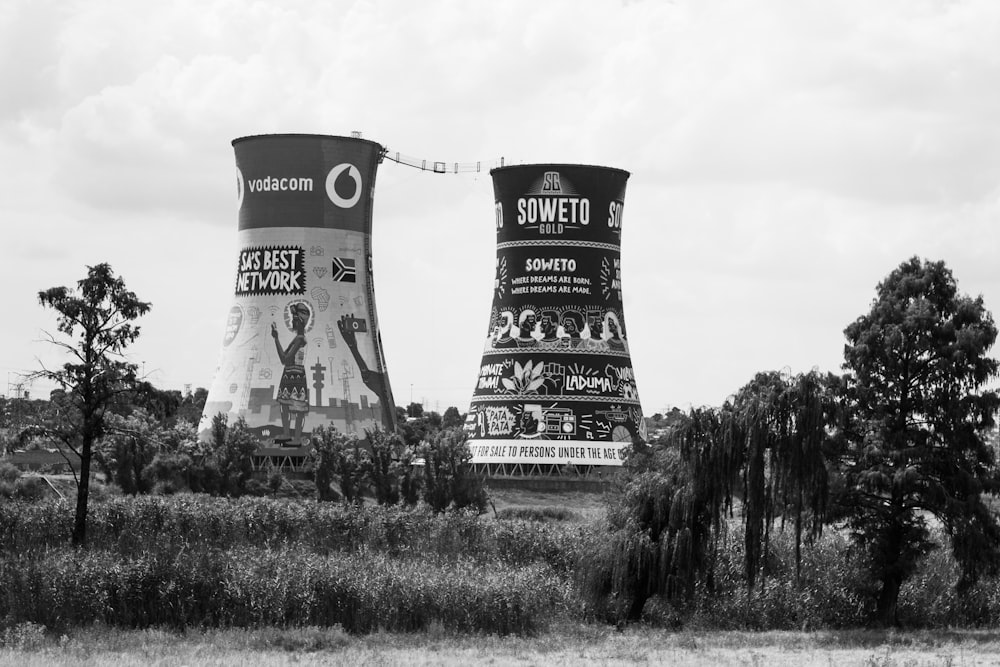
785,157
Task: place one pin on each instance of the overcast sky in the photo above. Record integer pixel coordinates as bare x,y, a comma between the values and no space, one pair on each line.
785,157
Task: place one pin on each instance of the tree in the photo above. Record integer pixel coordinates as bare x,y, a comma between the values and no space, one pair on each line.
386,470
775,432
449,480
341,458
141,454
452,417
98,318
234,446
914,446
192,405
660,528
128,446
415,431
161,404
764,446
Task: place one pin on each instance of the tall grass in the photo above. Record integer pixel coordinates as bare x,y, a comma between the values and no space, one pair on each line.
135,525
835,591
250,587
191,561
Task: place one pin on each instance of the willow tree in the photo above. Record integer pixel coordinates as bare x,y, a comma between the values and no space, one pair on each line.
764,446
774,431
661,529
917,364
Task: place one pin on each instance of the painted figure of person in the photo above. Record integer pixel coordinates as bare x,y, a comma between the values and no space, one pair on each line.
504,335
596,340
615,340
549,326
526,325
572,324
293,393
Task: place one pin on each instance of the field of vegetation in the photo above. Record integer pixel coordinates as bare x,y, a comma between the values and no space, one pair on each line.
263,580
803,510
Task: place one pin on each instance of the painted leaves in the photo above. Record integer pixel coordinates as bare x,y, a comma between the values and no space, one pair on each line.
526,379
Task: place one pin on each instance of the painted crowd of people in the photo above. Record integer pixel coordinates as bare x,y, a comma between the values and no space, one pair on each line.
568,329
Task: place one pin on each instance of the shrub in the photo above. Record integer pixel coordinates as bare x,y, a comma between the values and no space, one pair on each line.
337,457
168,471
537,514
448,477
288,587
25,636
9,472
233,460
31,488
386,470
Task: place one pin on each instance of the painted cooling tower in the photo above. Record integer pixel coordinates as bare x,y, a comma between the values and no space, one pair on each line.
301,347
556,384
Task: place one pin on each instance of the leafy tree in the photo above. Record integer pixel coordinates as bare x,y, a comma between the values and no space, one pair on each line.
161,404
341,458
765,446
192,405
386,470
233,457
322,452
414,432
452,417
168,472
660,539
410,480
98,319
448,477
140,453
775,432
275,480
9,475
128,446
917,363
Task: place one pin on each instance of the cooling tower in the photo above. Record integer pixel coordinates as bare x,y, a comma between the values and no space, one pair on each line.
301,347
556,385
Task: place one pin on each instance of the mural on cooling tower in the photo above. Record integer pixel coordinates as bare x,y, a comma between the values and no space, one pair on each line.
301,346
556,384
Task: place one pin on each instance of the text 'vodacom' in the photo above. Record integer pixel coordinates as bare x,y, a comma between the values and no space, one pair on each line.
283,184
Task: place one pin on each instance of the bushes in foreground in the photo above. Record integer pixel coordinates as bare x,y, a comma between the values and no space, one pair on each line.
835,590
170,523
248,587
185,561
197,561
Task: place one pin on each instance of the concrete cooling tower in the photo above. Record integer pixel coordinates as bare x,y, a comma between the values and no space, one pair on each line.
301,347
555,388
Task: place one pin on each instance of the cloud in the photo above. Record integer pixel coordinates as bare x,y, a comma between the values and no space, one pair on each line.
784,158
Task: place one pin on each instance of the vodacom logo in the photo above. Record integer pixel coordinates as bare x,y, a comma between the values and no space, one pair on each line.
240,187
331,185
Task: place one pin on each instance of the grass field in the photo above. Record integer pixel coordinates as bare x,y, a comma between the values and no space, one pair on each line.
440,552
586,504
566,645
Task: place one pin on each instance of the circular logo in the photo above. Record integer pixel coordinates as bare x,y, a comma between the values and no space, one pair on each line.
233,324
239,188
331,185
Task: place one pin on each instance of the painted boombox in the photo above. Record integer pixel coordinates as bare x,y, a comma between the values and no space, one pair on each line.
560,421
